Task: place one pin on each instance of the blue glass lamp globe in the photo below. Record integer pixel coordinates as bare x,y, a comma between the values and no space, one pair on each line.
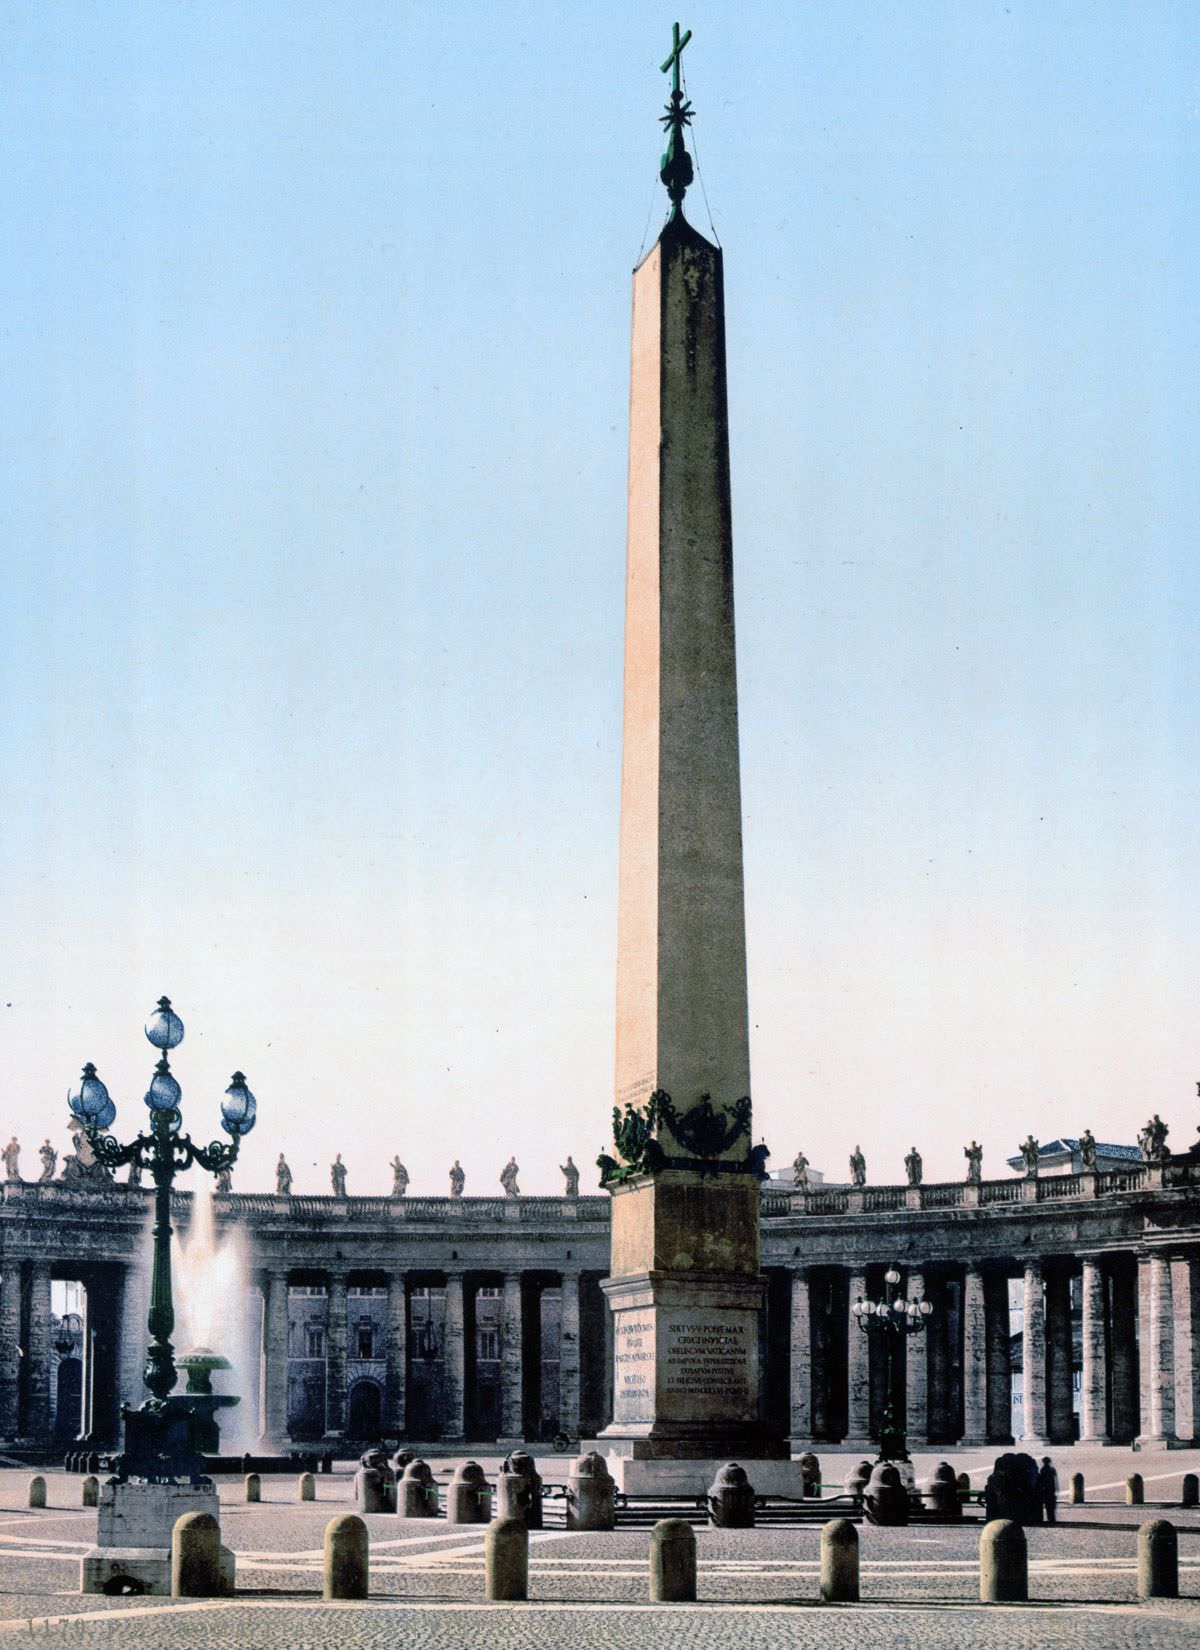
164,1028
89,1097
239,1109
104,1119
164,1092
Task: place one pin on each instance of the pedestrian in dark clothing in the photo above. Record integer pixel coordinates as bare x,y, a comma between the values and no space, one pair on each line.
1047,1483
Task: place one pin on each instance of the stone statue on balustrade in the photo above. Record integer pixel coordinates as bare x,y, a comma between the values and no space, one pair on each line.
570,1174
913,1167
80,1168
508,1178
1153,1140
49,1159
974,1156
283,1178
800,1170
399,1178
1029,1150
1087,1151
458,1179
224,1181
337,1176
12,1159
134,1177
858,1167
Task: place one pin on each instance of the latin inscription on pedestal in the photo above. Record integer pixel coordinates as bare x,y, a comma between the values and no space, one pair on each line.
708,1361
633,1367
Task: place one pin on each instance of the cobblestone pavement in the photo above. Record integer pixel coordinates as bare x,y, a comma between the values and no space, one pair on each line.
757,1587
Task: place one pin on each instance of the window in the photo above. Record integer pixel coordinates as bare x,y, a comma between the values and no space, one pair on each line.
314,1340
364,1339
488,1292
489,1346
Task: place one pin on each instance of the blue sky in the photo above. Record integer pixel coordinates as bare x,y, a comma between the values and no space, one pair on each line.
312,476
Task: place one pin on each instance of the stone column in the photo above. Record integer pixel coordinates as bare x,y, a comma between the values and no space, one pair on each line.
1123,1356
1185,1293
858,1369
395,1413
273,1362
974,1359
135,1306
568,1357
512,1376
36,1363
10,1341
454,1356
1033,1359
1060,1423
335,1358
916,1372
1157,1344
999,1359
800,1382
1093,1416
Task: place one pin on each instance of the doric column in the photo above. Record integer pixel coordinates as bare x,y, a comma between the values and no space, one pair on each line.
1185,1294
512,1378
974,1359
1093,1417
454,1355
36,1363
800,1382
395,1350
10,1342
135,1307
916,1373
273,1364
568,1357
1157,1341
999,1359
335,1358
1122,1352
858,1368
1033,1357
1060,1423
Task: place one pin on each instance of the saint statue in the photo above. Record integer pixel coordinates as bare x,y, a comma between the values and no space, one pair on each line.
399,1178
571,1175
12,1159
800,1170
1153,1140
134,1178
913,1167
337,1176
49,1159
225,1181
508,1178
858,1167
457,1179
974,1156
1087,1150
283,1178
1029,1155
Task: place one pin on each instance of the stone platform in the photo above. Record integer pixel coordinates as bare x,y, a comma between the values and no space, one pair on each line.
133,1547
663,1476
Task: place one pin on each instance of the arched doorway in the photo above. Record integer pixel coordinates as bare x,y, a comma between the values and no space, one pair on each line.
363,1420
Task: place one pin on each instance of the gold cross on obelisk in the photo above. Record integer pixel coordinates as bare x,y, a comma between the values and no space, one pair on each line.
673,61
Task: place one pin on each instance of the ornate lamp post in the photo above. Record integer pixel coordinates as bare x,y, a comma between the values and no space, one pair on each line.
891,1318
165,1152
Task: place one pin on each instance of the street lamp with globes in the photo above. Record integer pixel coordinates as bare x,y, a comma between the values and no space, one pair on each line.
891,1318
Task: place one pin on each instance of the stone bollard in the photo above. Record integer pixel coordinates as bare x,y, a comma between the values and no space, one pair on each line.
1158,1560
942,1494
964,1483
672,1562
839,1562
370,1491
468,1500
856,1479
37,1491
416,1493
519,1490
1003,1563
253,1487
93,1462
1189,1495
306,1487
347,1561
731,1499
591,1494
1135,1490
196,1556
90,1491
885,1500
506,1559
1078,1492
810,1474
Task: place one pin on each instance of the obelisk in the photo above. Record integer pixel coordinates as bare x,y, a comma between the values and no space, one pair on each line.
685,1291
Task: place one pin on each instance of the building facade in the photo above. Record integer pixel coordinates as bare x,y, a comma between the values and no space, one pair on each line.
481,1320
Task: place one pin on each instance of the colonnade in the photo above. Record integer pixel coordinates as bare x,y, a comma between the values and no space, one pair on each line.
1133,1340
